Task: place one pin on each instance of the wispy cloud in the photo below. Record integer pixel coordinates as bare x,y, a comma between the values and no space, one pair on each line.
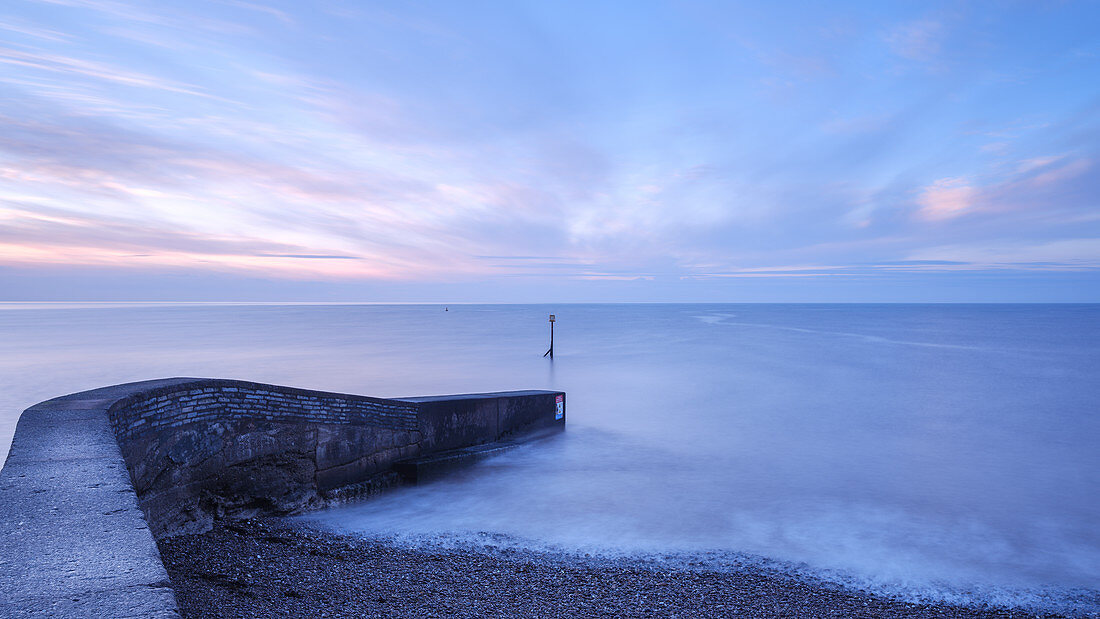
81,68
916,40
1062,254
22,28
154,14
36,235
282,16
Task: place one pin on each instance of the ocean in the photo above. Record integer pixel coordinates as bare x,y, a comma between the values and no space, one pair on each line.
935,452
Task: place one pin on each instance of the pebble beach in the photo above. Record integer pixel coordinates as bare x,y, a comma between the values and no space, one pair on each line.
271,567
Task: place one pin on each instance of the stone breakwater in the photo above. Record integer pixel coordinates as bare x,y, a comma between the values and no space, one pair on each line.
92,477
227,448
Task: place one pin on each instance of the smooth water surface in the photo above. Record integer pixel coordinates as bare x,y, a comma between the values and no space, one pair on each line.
945,451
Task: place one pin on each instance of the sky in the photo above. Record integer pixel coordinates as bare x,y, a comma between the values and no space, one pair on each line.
541,151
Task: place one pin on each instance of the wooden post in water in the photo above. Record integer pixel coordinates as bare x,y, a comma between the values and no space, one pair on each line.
551,351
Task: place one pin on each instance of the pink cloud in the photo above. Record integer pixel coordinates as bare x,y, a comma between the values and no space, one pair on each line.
1032,185
946,198
43,236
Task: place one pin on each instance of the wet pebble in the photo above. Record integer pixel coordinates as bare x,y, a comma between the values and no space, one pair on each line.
268,567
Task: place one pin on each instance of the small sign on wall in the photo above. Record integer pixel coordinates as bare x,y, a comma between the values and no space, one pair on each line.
559,401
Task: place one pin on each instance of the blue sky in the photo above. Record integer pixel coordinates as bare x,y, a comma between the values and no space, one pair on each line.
549,151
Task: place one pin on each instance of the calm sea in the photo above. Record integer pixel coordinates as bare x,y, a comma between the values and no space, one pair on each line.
947,452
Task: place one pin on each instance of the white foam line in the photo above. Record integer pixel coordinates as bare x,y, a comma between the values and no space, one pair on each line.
1074,602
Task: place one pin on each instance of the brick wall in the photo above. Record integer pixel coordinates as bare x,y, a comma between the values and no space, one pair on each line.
173,407
215,447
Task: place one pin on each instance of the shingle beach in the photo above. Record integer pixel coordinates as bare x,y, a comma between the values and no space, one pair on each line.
274,568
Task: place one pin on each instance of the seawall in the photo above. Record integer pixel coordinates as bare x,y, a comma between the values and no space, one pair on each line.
92,477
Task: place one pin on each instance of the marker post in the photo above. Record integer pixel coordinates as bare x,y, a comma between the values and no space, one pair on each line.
551,351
